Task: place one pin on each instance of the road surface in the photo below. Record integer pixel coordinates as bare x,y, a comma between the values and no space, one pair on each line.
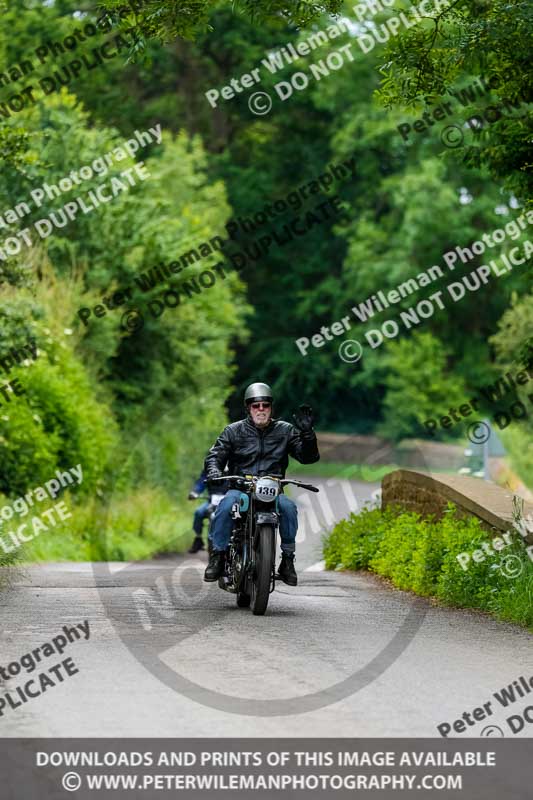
169,655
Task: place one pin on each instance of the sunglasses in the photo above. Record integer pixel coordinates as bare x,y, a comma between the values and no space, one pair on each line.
258,406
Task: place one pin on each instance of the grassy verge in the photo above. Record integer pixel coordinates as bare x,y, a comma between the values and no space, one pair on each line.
419,555
334,469
6,560
135,527
357,472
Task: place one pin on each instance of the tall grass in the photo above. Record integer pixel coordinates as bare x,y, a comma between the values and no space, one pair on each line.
136,526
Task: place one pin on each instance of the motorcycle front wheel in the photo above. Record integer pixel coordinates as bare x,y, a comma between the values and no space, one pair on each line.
264,561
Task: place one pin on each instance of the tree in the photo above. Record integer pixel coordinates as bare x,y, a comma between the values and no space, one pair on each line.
93,381
470,38
165,19
420,384
514,349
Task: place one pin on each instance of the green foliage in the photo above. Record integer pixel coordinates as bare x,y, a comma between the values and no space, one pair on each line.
514,348
464,40
14,148
514,340
404,208
7,560
144,522
353,541
98,394
164,19
59,422
93,391
419,381
420,554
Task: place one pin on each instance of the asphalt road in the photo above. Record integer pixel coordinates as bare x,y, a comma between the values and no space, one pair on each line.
168,655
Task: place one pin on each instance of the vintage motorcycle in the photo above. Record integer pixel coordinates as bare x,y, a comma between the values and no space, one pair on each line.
249,570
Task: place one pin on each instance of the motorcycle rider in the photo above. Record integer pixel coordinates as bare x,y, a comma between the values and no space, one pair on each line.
260,445
201,513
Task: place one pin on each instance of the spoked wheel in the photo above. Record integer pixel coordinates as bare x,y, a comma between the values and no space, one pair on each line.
243,600
264,559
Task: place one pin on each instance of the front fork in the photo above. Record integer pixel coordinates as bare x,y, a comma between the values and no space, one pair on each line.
231,582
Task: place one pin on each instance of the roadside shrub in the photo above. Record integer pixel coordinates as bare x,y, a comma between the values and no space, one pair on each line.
406,553
456,586
420,554
58,424
352,541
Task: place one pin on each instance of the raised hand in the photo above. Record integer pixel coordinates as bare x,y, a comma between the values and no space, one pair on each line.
304,418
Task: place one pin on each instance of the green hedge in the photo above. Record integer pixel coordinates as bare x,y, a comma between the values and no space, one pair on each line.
420,555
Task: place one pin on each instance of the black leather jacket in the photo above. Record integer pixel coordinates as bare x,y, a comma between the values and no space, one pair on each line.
253,451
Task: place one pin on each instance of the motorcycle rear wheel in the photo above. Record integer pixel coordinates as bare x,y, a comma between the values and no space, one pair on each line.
264,561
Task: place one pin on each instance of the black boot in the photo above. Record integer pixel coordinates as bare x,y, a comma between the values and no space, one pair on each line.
196,545
286,570
215,568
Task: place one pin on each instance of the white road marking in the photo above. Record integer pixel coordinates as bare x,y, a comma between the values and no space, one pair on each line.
320,566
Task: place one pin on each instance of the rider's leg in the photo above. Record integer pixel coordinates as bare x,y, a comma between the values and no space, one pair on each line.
199,516
198,522
288,527
222,522
288,524
209,529
221,533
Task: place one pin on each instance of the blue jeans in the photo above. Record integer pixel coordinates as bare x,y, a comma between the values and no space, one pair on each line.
222,523
199,515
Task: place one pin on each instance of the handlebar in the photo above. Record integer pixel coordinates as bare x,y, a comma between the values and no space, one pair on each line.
243,479
302,485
